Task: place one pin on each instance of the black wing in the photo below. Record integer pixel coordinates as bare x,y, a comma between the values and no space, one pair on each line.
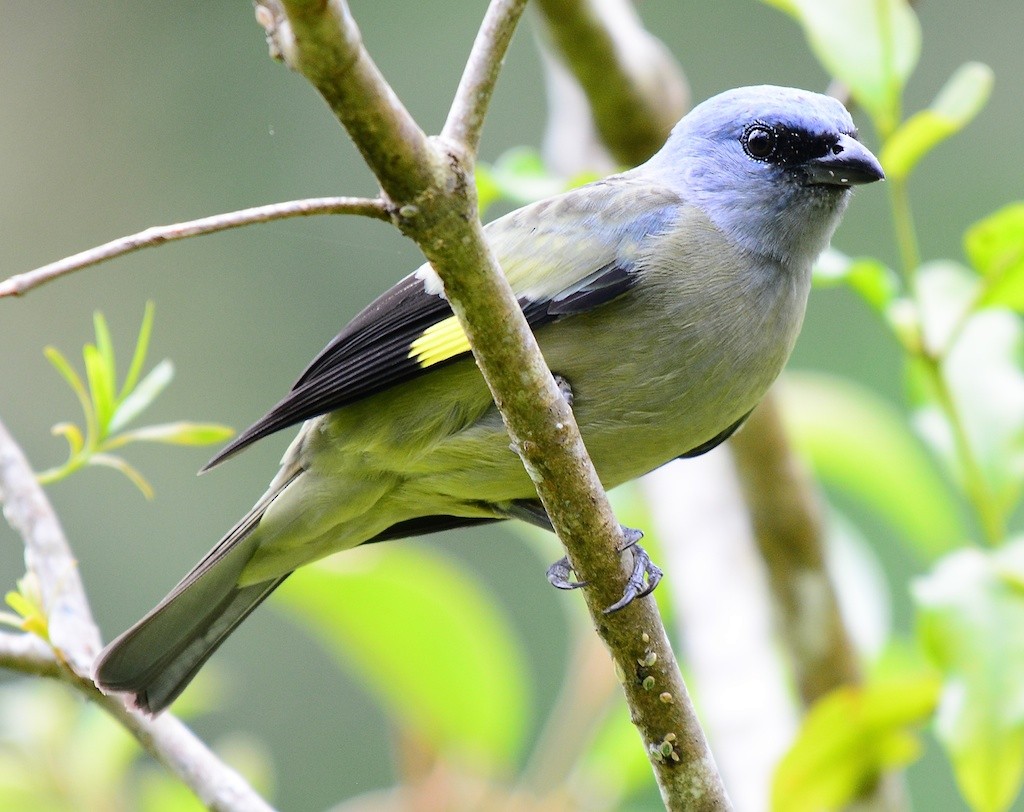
373,352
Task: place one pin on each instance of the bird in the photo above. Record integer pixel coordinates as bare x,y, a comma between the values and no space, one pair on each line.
665,299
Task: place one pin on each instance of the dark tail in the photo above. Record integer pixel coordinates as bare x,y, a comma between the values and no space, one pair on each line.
157,657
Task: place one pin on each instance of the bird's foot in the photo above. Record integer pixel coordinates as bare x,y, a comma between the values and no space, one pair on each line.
631,536
564,388
560,575
642,580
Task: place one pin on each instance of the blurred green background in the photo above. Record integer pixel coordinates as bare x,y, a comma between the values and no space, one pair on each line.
120,115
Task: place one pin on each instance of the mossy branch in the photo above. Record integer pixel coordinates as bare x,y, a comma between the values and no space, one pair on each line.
429,185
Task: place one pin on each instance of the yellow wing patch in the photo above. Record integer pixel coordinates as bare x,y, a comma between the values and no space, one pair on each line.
439,342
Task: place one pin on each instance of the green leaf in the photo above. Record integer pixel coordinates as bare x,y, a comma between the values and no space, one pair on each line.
946,293
487,190
12,620
995,248
63,366
971,621
139,398
426,640
71,433
107,414
27,602
22,607
104,343
984,376
861,444
101,385
959,101
871,279
179,433
130,471
849,738
78,455
520,176
871,46
141,348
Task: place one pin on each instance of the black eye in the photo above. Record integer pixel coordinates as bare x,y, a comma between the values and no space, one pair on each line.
759,141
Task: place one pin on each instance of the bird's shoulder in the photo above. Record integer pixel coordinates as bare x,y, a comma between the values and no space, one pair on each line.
554,241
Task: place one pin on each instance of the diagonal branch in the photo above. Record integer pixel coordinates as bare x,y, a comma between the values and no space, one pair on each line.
158,235
219,787
434,204
466,117
776,493
170,742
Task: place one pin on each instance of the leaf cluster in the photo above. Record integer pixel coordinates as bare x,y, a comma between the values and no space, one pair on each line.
949,478
108,409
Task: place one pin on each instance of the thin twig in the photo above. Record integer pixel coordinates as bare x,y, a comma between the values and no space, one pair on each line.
466,116
75,640
434,204
173,744
158,235
27,654
170,742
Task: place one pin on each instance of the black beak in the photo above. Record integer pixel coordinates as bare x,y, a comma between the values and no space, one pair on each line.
847,163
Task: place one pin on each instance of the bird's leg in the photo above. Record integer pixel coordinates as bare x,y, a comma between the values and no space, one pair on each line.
645,575
560,574
532,512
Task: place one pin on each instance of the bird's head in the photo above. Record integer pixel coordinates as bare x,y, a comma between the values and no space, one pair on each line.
772,167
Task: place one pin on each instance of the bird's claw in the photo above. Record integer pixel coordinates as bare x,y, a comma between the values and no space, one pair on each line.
560,575
564,388
630,537
642,580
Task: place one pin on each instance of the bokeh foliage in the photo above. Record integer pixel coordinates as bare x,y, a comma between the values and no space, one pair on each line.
449,666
